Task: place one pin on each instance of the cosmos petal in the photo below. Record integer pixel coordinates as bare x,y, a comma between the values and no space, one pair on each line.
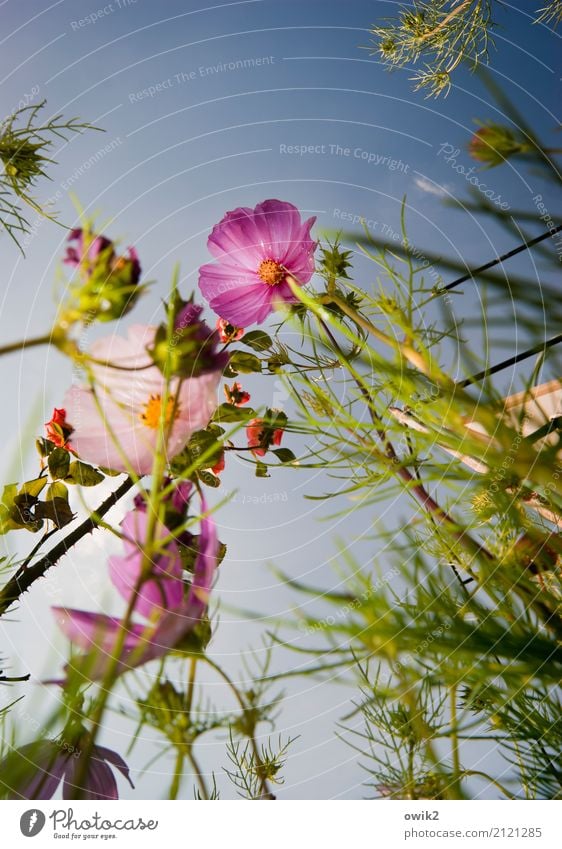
110,427
99,781
94,630
115,760
47,762
240,242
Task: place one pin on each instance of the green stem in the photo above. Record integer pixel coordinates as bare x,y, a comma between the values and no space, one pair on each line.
411,785
469,772
401,348
34,342
455,752
154,505
265,791
188,705
106,689
176,780
411,483
198,776
445,21
190,684
409,697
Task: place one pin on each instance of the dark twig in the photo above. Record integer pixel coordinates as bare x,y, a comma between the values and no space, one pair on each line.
28,574
18,679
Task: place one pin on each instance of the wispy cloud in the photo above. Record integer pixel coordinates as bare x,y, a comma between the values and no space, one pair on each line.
429,187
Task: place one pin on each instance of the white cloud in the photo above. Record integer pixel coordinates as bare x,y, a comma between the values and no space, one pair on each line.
429,187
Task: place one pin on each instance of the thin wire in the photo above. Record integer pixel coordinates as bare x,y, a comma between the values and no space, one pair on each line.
517,358
471,274
524,355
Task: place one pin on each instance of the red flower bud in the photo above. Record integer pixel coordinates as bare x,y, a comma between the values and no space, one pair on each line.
58,429
236,395
227,331
261,437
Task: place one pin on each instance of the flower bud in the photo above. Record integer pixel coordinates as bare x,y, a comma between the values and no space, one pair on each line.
227,332
235,395
58,429
192,348
106,285
492,144
262,434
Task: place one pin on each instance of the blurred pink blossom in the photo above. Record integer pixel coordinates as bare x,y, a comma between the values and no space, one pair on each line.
51,763
172,609
123,433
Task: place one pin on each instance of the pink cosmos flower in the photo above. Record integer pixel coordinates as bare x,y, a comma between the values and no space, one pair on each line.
257,251
171,612
165,588
50,763
130,405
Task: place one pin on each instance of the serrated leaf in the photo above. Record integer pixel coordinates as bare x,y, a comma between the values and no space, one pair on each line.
209,479
242,363
9,493
17,510
229,371
7,524
59,462
56,490
285,455
83,474
195,640
189,553
230,413
57,510
215,429
275,419
203,441
44,446
33,487
203,444
258,340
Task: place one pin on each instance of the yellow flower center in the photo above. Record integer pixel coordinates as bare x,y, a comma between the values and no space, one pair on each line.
153,411
271,272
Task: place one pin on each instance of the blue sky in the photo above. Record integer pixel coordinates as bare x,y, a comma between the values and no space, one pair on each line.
203,110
